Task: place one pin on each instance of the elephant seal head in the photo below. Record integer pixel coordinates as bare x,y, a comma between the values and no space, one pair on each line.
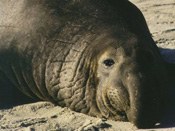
131,76
129,71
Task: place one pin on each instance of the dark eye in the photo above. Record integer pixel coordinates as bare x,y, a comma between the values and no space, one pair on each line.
108,62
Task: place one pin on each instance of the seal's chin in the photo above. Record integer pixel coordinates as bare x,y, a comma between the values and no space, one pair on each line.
118,115
116,112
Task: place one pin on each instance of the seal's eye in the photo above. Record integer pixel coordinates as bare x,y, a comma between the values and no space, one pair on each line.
108,62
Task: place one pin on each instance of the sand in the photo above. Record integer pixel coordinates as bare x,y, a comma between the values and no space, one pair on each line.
42,116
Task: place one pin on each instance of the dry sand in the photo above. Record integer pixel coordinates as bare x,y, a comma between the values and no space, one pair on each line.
42,116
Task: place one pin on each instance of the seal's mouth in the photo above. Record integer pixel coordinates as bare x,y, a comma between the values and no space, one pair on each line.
107,105
137,102
118,110
122,108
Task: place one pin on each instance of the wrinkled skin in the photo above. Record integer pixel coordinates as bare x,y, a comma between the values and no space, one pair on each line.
93,56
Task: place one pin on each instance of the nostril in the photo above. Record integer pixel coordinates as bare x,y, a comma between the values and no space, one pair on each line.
127,74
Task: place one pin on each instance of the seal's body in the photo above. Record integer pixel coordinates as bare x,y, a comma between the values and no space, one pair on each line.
93,56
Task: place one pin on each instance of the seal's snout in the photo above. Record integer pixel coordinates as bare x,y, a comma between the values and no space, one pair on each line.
143,111
141,122
129,85
133,97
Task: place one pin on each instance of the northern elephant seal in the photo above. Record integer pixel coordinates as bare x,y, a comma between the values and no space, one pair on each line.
93,56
